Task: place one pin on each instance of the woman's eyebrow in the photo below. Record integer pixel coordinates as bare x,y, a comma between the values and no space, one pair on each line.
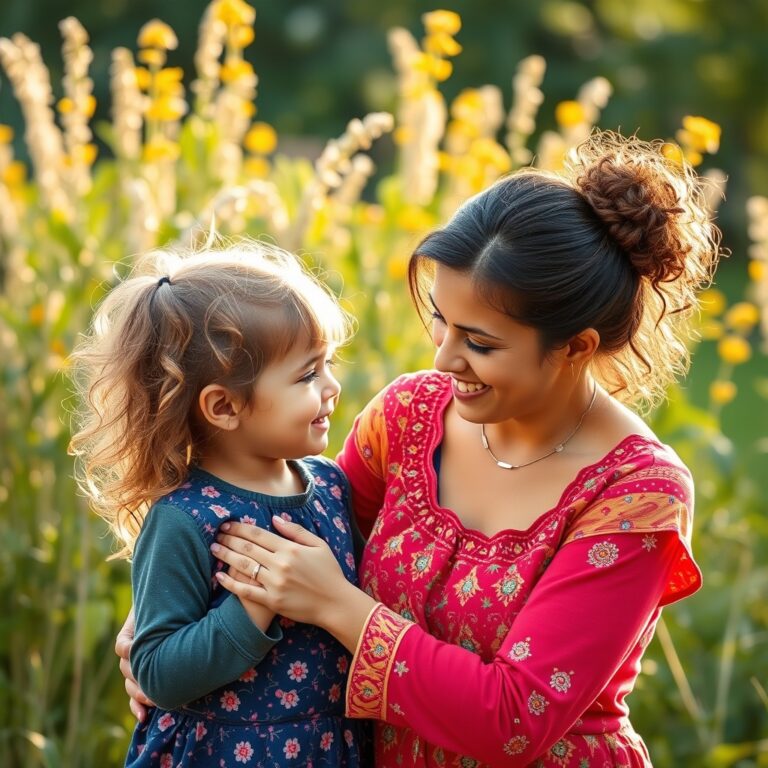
466,328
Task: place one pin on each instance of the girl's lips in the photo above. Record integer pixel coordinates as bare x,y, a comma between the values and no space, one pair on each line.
322,422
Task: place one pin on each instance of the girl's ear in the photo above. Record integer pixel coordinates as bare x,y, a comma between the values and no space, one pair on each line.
219,407
582,348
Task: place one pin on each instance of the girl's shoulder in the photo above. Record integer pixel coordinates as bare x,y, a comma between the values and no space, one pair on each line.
324,468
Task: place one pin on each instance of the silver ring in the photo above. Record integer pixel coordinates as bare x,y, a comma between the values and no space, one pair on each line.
255,571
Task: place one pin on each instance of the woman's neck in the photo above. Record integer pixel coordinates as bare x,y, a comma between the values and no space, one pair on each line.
550,424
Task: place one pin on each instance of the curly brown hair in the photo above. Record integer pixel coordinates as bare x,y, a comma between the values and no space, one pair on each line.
620,241
178,322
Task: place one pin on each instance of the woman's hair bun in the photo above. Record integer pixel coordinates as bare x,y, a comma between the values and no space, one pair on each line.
649,205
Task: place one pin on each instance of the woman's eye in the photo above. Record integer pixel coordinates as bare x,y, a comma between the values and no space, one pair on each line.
437,316
477,347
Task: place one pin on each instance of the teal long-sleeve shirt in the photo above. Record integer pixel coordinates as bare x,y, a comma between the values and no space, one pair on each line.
182,650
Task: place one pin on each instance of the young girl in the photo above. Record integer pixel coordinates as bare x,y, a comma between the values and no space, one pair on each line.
205,379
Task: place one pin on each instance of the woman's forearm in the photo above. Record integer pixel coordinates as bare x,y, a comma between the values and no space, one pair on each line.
345,614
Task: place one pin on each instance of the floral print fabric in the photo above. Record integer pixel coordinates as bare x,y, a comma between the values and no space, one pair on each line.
287,710
516,649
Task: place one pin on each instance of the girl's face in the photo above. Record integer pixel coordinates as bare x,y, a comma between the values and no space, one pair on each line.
497,366
293,402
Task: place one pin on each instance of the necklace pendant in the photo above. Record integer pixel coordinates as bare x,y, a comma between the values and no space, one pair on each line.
559,448
505,465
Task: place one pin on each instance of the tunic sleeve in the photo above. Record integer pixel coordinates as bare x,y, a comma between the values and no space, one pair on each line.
175,630
364,459
583,619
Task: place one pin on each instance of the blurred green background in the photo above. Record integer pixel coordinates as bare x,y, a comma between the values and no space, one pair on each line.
702,698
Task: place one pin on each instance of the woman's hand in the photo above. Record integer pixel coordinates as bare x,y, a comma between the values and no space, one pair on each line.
138,703
297,576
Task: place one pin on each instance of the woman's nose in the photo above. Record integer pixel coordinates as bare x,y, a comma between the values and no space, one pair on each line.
448,357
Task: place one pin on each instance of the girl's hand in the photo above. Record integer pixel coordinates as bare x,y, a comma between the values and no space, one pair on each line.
138,702
299,577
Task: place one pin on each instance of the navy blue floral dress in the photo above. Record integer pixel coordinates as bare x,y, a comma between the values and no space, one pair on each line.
287,710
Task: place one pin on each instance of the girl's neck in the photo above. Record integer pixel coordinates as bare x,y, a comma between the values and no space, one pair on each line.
273,477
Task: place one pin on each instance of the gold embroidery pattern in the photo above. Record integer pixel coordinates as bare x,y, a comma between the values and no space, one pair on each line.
372,663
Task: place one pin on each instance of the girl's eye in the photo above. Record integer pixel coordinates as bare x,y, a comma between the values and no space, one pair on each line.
310,377
479,348
437,316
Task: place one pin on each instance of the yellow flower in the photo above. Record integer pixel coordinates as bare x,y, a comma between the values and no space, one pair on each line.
261,139
722,392
693,157
6,134
166,109
757,270
168,80
447,22
415,219
468,105
66,106
36,314
492,153
233,12
711,330
86,154
444,162
157,34
442,44
256,167
569,113
89,105
742,316
159,149
242,36
734,349
401,135
143,78
15,174
672,152
441,69
712,302
154,57
703,135
397,267
235,69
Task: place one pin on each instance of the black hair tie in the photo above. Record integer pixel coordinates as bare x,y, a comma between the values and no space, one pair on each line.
164,279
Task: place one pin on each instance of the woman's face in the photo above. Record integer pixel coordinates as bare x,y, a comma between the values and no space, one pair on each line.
498,369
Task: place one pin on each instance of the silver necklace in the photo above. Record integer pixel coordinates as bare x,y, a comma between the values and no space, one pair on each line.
559,447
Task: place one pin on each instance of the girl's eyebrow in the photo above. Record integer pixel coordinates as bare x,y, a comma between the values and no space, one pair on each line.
466,328
311,362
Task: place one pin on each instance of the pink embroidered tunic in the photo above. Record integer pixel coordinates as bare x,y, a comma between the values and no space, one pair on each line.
516,649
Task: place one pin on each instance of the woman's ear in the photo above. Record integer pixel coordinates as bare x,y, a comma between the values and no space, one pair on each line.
582,348
219,407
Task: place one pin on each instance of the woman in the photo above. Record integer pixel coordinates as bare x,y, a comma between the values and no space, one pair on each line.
525,527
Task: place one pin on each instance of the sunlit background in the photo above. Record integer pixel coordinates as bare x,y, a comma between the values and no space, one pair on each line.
136,134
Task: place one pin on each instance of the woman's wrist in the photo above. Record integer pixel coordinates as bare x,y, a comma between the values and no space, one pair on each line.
345,614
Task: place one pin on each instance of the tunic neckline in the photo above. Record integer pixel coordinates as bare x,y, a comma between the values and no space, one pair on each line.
435,439
292,501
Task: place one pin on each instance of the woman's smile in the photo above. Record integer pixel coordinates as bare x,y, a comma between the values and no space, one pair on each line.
465,390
